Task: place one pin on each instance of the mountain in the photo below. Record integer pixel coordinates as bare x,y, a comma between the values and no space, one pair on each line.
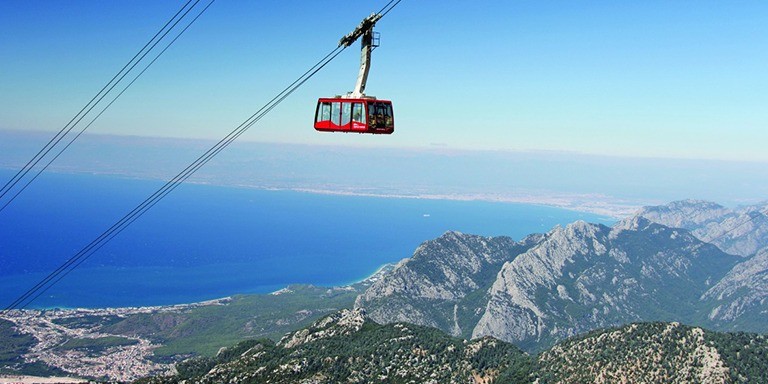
740,299
656,353
533,293
587,276
548,287
349,347
439,285
741,231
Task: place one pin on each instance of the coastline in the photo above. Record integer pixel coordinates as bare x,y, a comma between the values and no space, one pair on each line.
54,328
586,203
597,206
373,277
202,272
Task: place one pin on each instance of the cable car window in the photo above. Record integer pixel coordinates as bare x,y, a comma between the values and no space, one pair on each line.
380,115
324,112
346,113
335,112
389,120
372,121
358,113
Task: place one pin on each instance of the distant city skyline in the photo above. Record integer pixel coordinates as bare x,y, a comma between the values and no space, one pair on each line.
650,79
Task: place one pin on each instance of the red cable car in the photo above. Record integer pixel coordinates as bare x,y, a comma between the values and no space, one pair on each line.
354,115
356,112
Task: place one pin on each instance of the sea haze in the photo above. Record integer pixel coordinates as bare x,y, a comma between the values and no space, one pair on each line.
204,242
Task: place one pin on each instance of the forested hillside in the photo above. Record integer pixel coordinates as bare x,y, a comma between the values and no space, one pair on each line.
348,347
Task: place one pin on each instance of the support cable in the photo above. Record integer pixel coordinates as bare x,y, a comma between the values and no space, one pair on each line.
388,7
40,171
55,276
105,90
80,257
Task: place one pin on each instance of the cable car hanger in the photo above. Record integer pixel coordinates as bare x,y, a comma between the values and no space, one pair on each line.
356,111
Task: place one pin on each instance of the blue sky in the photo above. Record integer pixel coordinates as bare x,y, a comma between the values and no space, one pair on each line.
651,79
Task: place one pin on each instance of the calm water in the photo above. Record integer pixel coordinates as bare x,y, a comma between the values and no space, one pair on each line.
205,242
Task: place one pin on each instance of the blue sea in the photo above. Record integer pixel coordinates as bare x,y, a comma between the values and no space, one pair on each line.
204,242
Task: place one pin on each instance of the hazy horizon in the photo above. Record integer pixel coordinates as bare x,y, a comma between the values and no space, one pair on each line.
601,184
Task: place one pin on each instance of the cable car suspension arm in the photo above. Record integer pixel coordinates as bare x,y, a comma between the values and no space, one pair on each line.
364,30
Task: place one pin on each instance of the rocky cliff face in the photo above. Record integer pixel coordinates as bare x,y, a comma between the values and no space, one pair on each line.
740,300
587,276
437,286
742,231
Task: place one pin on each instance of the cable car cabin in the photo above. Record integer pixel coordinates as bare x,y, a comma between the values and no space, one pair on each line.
354,115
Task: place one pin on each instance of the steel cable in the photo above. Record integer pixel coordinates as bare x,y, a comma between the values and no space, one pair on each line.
111,84
80,257
41,170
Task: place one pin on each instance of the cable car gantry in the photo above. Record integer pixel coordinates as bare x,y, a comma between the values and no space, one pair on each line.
356,111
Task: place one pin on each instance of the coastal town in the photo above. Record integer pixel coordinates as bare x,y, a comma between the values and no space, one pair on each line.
72,341
83,344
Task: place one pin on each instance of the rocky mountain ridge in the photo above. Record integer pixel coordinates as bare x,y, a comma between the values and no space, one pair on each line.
741,231
656,353
587,276
433,287
584,276
349,347
740,299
